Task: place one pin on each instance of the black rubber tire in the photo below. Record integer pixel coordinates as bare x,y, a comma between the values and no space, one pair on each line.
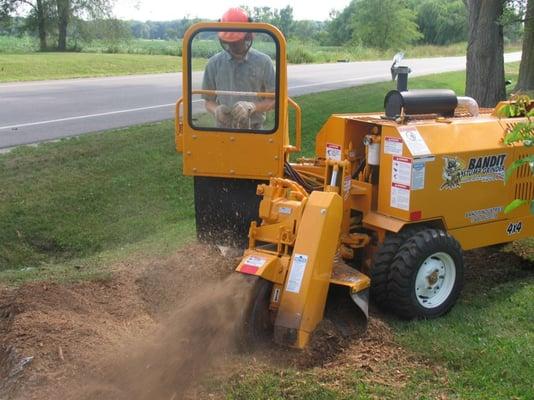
258,326
382,261
401,280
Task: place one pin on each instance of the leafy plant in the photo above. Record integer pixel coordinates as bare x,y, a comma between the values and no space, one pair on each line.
520,105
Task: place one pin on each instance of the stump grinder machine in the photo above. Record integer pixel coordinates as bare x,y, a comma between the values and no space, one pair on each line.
383,210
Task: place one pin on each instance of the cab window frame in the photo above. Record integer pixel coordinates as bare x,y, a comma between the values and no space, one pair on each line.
276,89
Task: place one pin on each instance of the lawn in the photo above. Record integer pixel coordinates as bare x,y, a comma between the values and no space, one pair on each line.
71,207
40,66
20,61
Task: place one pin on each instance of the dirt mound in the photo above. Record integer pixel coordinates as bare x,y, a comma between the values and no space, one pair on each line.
72,331
163,284
492,266
185,346
11,367
65,328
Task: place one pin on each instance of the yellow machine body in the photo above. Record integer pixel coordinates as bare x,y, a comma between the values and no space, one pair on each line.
452,176
370,177
295,248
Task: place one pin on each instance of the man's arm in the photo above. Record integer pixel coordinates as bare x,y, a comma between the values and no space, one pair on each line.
210,106
264,105
208,83
269,85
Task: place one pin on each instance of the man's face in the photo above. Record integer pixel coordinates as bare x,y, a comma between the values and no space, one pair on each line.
239,48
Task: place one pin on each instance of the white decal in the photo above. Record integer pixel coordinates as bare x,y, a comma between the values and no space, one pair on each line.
401,171
298,266
514,228
400,196
333,152
413,139
254,261
285,210
425,159
486,214
393,145
418,175
488,168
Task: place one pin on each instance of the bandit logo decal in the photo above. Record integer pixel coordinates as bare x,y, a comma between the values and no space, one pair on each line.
452,173
456,172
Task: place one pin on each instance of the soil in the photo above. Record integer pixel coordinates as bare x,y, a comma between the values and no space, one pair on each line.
154,328
144,333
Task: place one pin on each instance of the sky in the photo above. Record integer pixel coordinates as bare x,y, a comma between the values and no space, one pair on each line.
162,10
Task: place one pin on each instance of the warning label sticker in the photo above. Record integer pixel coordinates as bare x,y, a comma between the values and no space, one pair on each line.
393,145
400,196
285,210
401,171
252,264
413,139
418,175
333,152
254,261
298,266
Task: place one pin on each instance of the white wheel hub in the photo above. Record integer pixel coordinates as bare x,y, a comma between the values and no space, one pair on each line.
435,280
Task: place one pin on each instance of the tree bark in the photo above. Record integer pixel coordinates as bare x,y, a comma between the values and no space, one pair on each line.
485,53
63,13
41,25
526,68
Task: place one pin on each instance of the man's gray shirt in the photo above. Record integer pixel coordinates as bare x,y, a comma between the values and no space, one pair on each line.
255,73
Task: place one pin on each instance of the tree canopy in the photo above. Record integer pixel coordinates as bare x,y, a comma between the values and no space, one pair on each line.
384,24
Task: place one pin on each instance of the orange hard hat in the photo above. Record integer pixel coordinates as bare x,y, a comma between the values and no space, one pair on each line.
233,15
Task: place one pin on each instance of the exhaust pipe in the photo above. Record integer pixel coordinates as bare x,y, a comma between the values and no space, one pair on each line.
469,103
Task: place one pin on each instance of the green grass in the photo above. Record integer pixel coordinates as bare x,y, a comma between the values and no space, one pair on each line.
82,196
486,343
13,44
39,66
20,61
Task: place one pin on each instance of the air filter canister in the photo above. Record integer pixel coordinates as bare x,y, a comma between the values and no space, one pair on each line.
424,101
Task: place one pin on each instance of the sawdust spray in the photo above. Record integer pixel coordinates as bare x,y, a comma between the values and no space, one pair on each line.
183,347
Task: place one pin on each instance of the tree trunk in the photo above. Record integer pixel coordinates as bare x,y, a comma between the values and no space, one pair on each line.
526,69
41,25
485,48
63,13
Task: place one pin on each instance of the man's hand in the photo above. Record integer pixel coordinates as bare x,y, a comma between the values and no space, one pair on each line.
223,115
242,110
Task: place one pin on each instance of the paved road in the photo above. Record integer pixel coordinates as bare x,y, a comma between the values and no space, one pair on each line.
36,111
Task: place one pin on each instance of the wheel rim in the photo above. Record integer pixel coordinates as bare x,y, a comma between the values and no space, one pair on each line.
435,280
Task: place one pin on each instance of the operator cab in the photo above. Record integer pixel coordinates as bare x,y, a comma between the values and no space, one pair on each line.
232,122
238,91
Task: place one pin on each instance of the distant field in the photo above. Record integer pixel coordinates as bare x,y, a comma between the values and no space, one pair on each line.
21,61
39,66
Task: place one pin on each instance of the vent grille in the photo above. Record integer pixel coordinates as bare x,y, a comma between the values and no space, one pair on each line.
524,187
